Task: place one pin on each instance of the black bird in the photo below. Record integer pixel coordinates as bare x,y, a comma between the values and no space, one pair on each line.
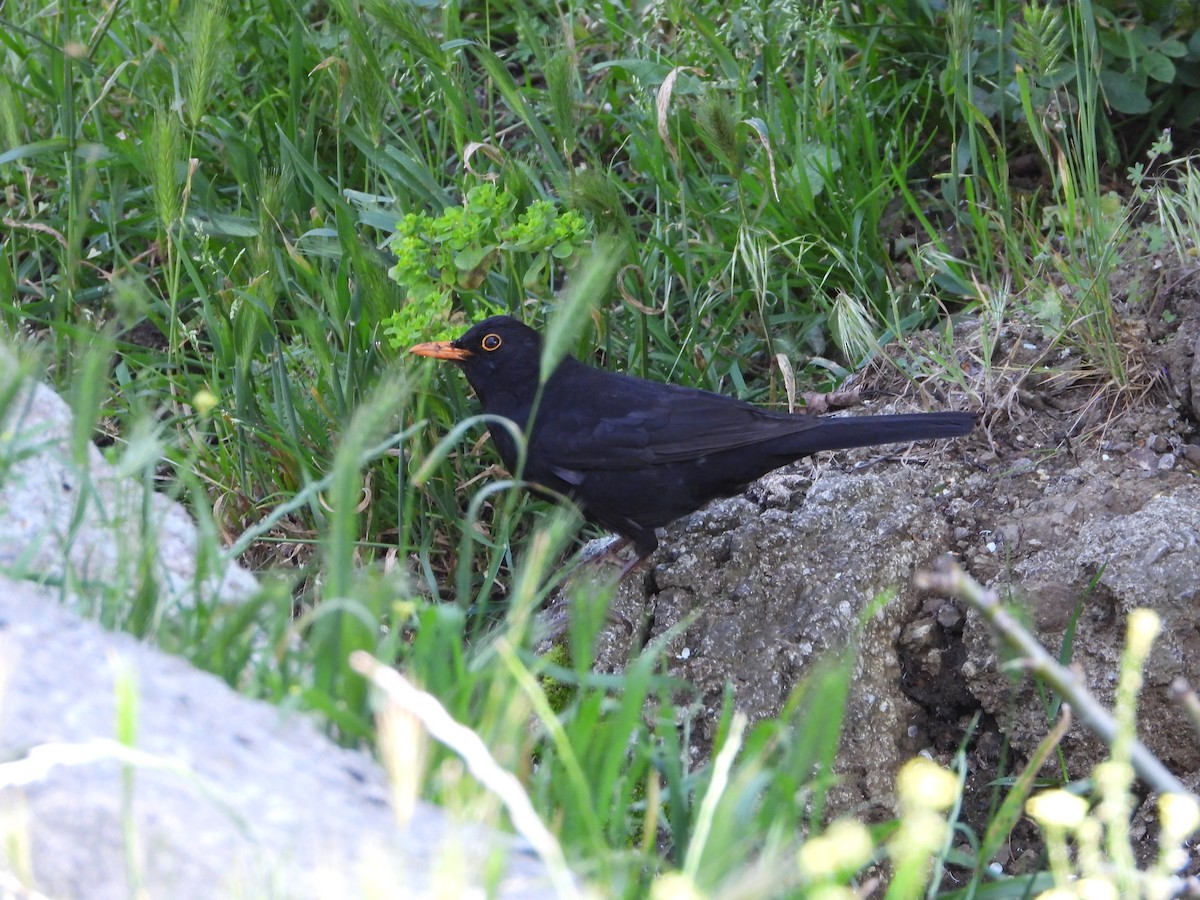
638,454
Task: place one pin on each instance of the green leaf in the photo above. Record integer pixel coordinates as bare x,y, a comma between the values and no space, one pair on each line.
53,146
1159,67
652,74
1124,93
1173,47
1116,44
1188,110
647,71
472,257
517,102
8,281
320,242
1010,811
532,278
222,224
814,162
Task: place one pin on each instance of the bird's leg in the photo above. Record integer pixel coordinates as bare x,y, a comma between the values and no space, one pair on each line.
610,550
634,563
602,549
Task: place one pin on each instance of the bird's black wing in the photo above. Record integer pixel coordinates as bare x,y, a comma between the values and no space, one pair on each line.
599,420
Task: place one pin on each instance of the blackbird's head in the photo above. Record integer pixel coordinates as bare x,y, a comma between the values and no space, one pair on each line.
497,354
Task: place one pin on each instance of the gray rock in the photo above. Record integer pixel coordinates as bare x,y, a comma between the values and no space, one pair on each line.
83,521
783,576
1194,382
1132,544
235,798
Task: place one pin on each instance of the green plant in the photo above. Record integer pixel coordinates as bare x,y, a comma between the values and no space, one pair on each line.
452,254
1104,857
1150,66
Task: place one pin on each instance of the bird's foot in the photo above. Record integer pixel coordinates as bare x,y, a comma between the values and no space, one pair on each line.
602,549
633,564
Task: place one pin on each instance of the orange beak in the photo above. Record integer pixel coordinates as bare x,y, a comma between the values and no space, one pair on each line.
441,350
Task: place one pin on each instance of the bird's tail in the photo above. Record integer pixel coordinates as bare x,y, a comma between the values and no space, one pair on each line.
842,433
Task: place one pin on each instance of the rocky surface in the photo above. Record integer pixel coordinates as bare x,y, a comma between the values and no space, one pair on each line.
224,797
70,516
1077,501
786,575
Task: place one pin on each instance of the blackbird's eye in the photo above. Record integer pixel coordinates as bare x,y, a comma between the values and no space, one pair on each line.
491,342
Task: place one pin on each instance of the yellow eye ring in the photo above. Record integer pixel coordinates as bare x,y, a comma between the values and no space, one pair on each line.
491,342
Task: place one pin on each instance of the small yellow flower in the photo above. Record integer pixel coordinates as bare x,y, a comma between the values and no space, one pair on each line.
1095,889
1057,809
843,849
1180,816
921,832
1113,778
203,401
1142,628
674,886
833,892
923,784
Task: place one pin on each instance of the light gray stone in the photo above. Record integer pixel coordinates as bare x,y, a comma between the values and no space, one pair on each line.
243,800
87,522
